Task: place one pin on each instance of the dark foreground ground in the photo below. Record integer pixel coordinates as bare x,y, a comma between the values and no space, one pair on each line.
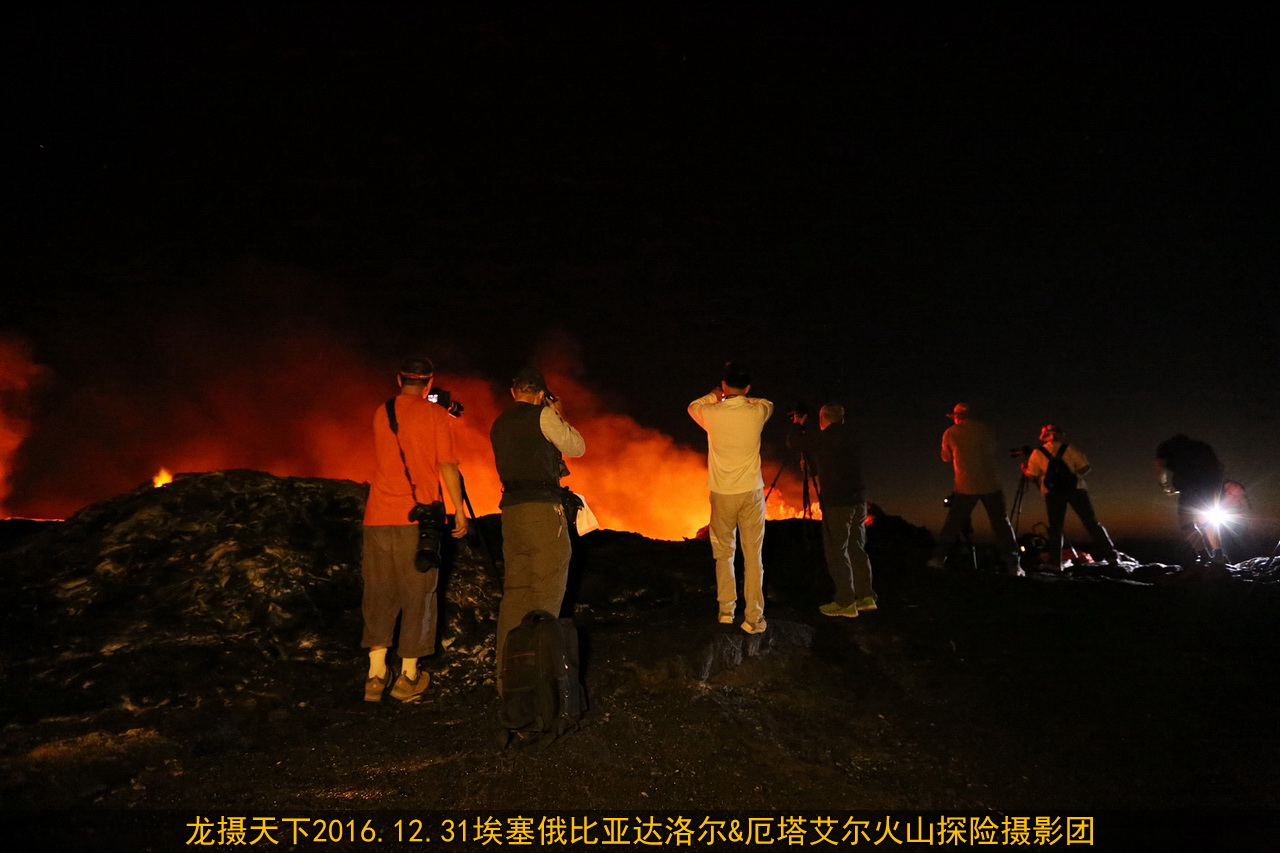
965,692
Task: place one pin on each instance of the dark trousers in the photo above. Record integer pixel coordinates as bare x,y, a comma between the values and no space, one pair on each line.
1055,506
958,517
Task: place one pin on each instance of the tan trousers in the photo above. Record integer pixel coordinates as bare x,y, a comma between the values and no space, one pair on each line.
730,515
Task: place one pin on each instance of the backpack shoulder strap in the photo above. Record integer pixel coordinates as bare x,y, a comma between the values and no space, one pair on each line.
391,415
1062,448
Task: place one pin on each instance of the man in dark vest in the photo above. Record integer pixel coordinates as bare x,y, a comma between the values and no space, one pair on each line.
529,440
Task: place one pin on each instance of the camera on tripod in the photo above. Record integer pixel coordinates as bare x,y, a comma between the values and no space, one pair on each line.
444,400
431,533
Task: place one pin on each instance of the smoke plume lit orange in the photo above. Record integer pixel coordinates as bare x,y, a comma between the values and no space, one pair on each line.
301,406
19,374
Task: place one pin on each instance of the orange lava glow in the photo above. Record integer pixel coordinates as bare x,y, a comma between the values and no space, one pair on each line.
633,477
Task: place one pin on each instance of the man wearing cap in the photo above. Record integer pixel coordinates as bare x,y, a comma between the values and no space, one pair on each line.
529,441
970,446
733,422
410,463
1058,496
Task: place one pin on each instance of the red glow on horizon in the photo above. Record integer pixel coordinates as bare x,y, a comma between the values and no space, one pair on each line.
635,478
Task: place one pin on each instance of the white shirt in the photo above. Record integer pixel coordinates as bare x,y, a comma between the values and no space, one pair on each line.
733,440
1038,463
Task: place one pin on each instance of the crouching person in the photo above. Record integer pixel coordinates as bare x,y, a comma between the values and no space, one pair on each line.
529,441
414,451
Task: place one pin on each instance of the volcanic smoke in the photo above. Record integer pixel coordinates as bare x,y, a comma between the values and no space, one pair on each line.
298,407
19,374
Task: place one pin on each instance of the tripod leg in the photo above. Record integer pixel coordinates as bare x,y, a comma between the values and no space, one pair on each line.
769,491
484,543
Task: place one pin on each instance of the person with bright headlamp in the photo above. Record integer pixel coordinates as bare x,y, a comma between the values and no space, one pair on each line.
1191,470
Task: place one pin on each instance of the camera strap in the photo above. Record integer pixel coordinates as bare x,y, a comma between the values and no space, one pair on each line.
395,430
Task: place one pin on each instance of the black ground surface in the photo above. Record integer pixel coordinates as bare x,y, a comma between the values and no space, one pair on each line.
964,691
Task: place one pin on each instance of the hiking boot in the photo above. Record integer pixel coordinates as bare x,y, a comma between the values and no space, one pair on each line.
373,688
757,627
410,691
868,603
836,609
727,612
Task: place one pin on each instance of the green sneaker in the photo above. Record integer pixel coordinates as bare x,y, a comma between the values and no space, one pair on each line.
835,609
868,603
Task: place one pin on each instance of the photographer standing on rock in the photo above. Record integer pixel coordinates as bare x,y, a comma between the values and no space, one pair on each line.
529,441
837,468
1060,468
414,451
733,422
970,446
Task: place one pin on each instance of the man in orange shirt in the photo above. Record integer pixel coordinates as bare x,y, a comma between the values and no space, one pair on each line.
411,461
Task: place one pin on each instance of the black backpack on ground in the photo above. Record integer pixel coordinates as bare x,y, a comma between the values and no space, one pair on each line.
542,695
1058,476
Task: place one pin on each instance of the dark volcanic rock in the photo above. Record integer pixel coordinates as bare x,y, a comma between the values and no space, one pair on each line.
228,553
180,594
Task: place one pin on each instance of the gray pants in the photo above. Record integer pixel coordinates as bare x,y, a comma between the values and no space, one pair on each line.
844,539
958,518
536,552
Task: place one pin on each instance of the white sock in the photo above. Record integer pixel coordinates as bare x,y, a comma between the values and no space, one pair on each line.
377,663
409,668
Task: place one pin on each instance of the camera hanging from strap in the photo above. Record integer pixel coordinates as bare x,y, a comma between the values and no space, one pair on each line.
430,517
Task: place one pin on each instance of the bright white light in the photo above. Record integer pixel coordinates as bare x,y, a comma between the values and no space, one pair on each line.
1218,516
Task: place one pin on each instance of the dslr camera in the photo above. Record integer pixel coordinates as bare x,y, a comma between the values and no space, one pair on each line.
431,534
444,400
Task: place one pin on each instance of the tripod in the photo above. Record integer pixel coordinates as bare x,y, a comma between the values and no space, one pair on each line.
1015,510
806,476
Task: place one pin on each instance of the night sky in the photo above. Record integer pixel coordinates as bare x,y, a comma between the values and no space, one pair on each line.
1063,216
